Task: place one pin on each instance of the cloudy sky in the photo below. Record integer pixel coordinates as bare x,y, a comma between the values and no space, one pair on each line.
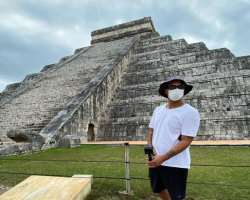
34,33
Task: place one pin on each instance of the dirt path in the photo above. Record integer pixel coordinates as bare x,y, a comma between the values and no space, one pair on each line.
203,142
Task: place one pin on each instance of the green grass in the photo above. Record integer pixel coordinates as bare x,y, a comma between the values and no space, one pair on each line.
215,177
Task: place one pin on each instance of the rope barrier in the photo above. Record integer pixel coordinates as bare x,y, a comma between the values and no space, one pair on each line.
131,178
122,162
201,183
80,161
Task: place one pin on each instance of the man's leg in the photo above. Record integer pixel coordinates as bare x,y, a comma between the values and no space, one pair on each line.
164,194
156,183
175,181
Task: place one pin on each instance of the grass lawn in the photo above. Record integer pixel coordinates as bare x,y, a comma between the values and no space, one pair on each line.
205,182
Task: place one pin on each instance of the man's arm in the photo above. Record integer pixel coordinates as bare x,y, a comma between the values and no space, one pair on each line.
150,135
183,144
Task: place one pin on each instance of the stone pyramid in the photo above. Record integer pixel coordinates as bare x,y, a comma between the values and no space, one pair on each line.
108,91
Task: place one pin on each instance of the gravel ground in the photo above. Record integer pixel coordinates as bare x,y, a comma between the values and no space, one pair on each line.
3,189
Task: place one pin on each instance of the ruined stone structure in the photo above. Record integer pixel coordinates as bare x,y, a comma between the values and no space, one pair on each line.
107,91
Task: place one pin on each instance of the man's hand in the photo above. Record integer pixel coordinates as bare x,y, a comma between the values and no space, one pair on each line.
157,161
179,147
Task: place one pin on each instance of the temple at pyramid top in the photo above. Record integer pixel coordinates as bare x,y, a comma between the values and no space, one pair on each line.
140,26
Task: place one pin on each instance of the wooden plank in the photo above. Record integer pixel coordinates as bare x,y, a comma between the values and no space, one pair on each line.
49,188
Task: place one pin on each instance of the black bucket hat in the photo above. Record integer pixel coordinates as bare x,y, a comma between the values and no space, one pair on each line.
164,85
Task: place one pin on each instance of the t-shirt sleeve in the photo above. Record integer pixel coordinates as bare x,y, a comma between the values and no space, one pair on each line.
152,120
191,123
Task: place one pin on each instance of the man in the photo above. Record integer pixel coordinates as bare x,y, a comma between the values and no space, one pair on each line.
171,130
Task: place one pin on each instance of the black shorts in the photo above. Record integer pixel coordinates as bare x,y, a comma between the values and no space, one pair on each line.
171,178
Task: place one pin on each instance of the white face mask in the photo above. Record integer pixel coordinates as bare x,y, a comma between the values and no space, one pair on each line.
175,94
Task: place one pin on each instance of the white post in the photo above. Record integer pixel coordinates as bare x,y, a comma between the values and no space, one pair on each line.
127,175
127,172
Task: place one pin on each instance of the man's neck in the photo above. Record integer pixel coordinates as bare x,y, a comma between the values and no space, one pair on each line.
175,104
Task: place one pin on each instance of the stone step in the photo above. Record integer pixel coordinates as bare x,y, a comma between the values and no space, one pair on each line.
136,83
187,71
36,126
169,45
179,44
244,62
210,103
201,99
33,130
171,48
236,99
136,127
143,121
211,110
241,91
192,68
205,89
180,47
211,81
31,79
179,58
202,56
157,65
206,120
155,40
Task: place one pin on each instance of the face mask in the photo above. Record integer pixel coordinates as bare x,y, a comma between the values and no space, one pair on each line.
175,94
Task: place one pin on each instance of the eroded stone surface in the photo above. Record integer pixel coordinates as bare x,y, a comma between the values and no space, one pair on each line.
15,148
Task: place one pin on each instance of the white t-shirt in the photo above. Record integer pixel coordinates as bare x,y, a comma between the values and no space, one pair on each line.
168,125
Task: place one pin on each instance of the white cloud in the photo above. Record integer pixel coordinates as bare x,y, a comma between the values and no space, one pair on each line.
4,83
189,38
245,1
119,21
21,23
207,12
210,43
35,29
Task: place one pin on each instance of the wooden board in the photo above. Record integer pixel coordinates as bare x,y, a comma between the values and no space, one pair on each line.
49,188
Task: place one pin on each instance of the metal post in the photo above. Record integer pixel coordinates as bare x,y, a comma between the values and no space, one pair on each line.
127,175
127,172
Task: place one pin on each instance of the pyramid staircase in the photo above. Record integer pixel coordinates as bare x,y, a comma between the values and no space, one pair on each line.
221,89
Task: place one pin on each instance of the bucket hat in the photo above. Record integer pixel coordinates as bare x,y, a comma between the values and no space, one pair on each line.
164,85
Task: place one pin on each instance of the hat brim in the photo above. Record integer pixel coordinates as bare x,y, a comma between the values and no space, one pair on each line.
163,87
